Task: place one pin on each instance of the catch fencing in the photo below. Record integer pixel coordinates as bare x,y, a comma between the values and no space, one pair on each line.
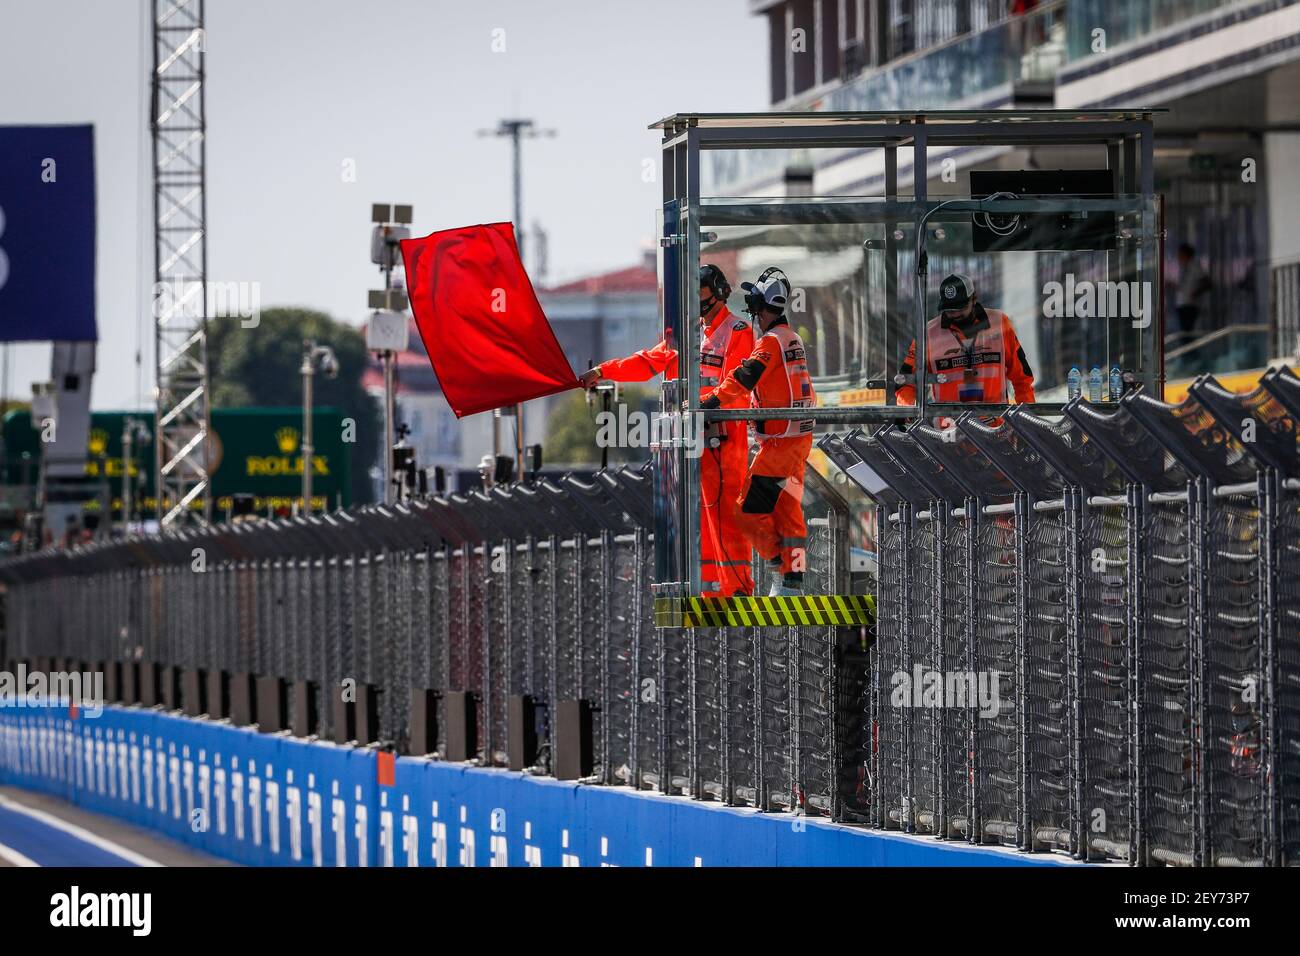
1087,637
1089,628
510,628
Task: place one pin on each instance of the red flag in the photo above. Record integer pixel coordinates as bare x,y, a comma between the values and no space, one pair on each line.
481,323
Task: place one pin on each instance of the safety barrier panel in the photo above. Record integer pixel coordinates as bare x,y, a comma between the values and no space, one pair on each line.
276,800
1089,627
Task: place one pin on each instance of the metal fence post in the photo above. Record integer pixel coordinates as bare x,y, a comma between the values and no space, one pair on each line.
794,732
694,784
907,542
606,591
482,581
443,680
1136,513
1199,504
501,593
1268,489
1021,669
465,627
527,671
664,689
552,642
762,796
1074,637
582,606
939,719
328,665
635,710
974,519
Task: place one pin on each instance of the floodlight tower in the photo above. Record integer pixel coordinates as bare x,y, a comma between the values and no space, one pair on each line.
516,130
178,124
387,329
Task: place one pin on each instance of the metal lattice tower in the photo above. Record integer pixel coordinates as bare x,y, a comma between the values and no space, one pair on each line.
181,426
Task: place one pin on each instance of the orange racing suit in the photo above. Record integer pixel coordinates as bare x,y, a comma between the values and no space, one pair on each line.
724,550
771,503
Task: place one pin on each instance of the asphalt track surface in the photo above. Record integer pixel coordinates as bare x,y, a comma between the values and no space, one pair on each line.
40,830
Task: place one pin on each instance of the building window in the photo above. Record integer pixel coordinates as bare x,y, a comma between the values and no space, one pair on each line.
778,45
804,53
849,22
853,53
828,40
902,36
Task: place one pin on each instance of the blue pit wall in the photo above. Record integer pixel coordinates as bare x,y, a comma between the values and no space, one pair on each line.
273,800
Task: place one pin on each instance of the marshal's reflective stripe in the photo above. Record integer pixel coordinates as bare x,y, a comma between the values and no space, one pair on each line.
808,610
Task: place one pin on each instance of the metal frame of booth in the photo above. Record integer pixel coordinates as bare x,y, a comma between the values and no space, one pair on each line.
1127,136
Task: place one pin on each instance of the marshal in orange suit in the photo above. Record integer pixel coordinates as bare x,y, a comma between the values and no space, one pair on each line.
972,352
774,375
725,342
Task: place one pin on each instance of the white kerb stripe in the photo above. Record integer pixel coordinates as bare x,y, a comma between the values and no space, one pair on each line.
108,846
14,857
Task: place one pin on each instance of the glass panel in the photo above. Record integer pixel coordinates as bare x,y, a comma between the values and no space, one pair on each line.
838,300
1127,20
1073,276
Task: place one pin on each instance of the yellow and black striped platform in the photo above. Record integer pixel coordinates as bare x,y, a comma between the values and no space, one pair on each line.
811,609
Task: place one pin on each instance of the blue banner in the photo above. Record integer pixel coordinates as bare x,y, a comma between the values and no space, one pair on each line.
47,234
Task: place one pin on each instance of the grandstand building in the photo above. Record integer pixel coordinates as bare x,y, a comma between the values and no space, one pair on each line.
1227,73
608,314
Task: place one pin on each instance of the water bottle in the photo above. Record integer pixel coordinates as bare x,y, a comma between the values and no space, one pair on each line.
1074,382
1094,384
1116,383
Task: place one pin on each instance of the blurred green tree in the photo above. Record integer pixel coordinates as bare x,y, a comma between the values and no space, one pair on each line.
260,366
571,427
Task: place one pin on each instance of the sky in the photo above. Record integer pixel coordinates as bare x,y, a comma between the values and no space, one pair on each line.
392,91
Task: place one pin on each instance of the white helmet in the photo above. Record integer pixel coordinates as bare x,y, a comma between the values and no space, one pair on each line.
771,291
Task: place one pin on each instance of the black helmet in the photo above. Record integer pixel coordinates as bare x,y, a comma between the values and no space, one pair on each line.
711,278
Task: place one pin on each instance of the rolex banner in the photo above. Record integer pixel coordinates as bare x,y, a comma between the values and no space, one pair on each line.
255,451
